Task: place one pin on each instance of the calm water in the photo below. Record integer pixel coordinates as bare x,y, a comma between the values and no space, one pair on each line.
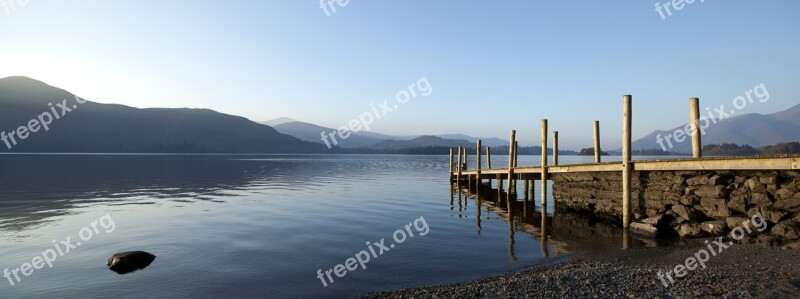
259,226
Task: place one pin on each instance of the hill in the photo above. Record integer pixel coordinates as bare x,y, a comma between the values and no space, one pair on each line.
85,126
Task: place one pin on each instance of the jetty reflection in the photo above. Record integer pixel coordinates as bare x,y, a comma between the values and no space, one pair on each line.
557,233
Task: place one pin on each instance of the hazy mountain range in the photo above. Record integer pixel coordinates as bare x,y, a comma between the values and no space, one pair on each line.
311,132
93,127
753,129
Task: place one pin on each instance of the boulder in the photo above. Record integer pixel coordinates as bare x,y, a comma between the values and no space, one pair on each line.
720,179
690,230
787,230
772,215
645,228
735,221
712,191
783,194
738,203
767,240
687,213
130,261
714,227
790,205
760,199
715,207
791,246
755,185
698,180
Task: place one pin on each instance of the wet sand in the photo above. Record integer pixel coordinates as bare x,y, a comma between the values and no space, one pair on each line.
740,271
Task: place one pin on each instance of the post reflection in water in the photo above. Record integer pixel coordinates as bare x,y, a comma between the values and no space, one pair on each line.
568,232
511,254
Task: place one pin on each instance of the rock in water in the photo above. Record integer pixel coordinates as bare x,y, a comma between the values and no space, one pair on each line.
130,261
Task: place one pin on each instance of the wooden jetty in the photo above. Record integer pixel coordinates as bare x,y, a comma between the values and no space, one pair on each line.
460,174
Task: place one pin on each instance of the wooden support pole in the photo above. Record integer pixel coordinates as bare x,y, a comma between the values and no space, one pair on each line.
694,113
597,149
488,158
544,164
516,153
555,148
458,167
451,164
478,167
512,141
627,168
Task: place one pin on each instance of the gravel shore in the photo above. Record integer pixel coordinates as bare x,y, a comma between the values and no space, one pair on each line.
741,271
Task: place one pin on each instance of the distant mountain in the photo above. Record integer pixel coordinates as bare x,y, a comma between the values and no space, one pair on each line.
492,141
311,132
364,139
751,129
277,121
420,142
95,127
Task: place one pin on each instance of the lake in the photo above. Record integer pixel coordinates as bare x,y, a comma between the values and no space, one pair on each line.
258,225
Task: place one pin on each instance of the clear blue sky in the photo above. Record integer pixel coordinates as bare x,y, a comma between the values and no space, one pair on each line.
505,63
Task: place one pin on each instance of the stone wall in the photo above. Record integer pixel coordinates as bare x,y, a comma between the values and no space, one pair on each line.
690,203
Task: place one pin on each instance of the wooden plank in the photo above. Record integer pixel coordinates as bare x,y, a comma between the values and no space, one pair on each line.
604,167
717,164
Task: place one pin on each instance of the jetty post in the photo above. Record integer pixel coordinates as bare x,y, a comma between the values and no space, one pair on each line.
627,168
512,141
451,164
555,148
694,112
478,168
596,141
544,164
458,168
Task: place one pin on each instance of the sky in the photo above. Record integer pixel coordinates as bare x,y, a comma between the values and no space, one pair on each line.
491,66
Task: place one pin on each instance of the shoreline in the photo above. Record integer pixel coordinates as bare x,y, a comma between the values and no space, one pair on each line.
742,270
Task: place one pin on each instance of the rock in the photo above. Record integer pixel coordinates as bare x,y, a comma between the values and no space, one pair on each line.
644,228
690,200
760,199
773,216
738,203
130,261
790,205
755,185
687,213
769,179
719,180
714,227
735,221
698,180
690,230
783,194
715,207
767,240
712,192
791,246
787,230
655,220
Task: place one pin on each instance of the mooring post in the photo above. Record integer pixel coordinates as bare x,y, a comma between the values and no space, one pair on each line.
458,168
511,143
555,148
516,149
694,113
544,164
478,168
451,164
466,167
627,168
488,157
596,141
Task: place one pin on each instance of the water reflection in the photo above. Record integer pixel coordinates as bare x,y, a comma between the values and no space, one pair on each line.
567,233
